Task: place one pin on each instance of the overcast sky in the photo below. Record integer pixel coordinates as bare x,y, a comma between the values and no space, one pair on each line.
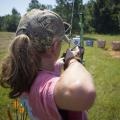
21,5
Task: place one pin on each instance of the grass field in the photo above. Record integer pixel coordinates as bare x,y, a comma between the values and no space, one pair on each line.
104,68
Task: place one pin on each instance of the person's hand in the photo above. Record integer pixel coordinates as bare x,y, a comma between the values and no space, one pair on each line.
60,61
71,54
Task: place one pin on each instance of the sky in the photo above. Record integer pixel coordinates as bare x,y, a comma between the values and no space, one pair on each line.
21,5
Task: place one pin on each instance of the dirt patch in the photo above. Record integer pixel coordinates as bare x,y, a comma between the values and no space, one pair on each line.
115,54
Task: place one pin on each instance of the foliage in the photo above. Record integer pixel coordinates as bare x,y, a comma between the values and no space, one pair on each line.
64,9
35,4
101,16
88,17
76,17
107,16
10,22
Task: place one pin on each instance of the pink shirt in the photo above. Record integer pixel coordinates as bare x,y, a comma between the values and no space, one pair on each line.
40,101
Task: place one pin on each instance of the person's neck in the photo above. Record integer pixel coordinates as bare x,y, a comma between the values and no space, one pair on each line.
47,64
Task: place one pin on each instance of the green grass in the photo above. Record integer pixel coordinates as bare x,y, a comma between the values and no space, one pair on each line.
104,68
106,74
102,37
5,39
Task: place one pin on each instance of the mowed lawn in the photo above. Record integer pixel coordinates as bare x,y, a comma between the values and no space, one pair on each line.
106,74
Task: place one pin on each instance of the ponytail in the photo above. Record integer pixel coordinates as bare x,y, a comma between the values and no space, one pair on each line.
20,67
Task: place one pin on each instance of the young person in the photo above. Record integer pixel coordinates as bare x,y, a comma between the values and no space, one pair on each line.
32,70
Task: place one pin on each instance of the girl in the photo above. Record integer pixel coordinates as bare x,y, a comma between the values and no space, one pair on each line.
31,70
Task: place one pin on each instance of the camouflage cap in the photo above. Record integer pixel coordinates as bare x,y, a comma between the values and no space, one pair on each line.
41,26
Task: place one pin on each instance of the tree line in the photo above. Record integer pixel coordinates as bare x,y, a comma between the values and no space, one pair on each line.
100,16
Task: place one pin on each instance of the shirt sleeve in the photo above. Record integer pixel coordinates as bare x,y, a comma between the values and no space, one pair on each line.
49,104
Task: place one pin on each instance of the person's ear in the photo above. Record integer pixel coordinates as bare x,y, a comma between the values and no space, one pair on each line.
54,47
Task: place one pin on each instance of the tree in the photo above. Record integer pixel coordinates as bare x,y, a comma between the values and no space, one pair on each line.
4,22
89,17
10,22
15,12
64,9
76,16
1,23
102,16
13,21
35,4
107,16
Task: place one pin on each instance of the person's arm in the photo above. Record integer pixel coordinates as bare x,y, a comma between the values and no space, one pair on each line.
75,89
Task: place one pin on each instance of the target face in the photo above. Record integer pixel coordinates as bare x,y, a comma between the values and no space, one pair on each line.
76,41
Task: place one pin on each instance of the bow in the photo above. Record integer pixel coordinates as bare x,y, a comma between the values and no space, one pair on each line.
81,46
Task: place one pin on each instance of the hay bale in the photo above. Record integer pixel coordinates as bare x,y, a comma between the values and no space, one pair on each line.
116,45
101,43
